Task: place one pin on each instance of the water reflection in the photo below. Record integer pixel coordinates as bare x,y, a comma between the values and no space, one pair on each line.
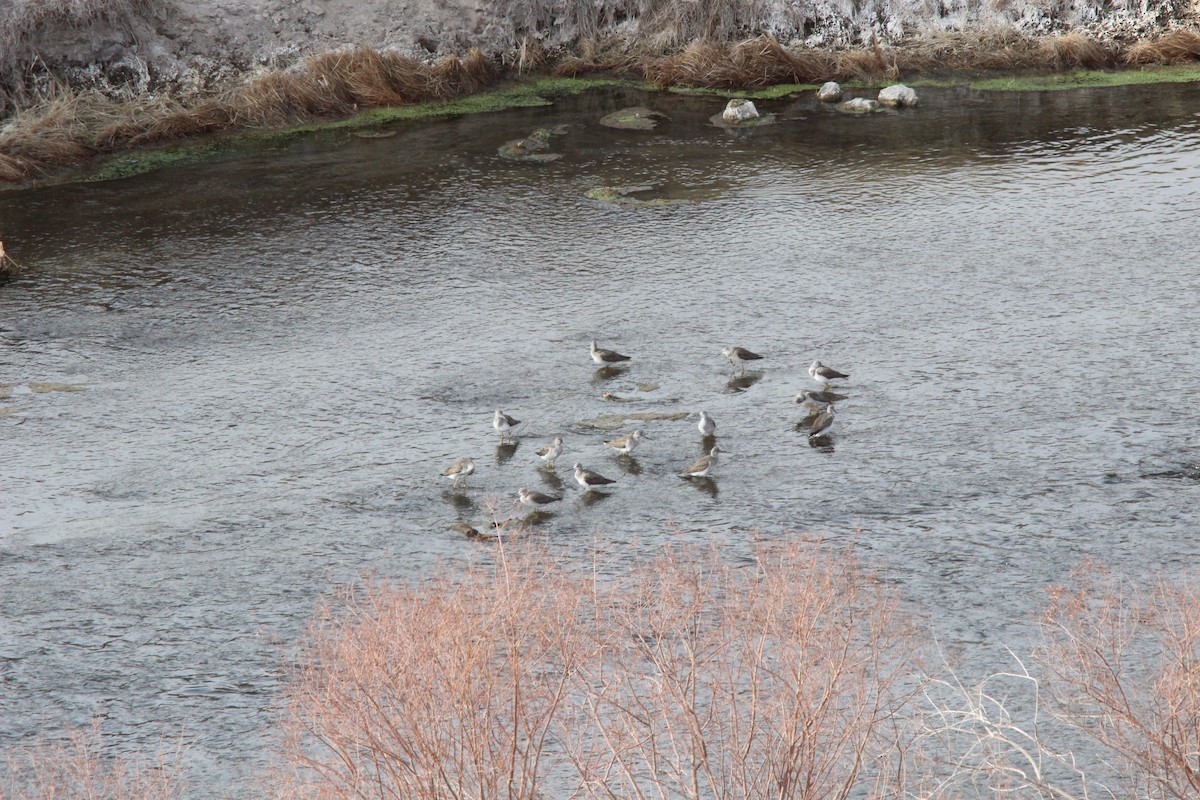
459,499
823,444
551,479
706,485
594,497
740,383
607,373
628,464
537,517
505,451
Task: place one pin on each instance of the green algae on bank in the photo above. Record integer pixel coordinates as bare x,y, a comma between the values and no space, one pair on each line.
1077,79
635,118
779,91
527,94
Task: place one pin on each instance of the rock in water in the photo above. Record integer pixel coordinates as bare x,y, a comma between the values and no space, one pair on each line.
830,92
637,118
897,96
859,105
739,110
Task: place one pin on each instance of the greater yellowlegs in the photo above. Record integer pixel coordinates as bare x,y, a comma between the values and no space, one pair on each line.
602,356
459,470
707,426
738,356
824,374
822,424
628,442
504,424
590,480
550,453
532,498
700,467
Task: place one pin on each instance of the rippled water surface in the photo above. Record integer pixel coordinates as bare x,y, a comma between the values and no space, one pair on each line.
227,389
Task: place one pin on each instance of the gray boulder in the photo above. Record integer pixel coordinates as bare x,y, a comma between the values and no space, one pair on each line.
830,92
898,96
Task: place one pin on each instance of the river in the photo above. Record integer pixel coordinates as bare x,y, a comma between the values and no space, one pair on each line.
229,388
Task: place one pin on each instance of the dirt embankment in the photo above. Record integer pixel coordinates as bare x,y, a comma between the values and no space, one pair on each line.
82,78
189,44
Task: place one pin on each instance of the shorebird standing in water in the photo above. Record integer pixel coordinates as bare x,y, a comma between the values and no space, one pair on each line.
707,426
738,356
531,498
700,467
590,480
626,444
504,423
602,356
824,374
550,453
822,424
459,470
808,396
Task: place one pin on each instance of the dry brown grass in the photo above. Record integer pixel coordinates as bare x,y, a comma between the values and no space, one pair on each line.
1124,668
71,127
686,678
1075,51
762,61
1174,47
81,770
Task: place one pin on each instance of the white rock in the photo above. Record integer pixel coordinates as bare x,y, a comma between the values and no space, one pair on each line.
897,96
739,110
859,105
830,92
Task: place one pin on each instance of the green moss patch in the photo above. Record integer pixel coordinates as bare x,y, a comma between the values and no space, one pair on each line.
1078,79
636,118
765,93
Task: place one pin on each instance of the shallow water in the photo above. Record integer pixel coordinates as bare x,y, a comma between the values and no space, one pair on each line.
275,355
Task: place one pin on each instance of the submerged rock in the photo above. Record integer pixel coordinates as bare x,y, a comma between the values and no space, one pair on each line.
897,96
754,122
635,118
613,422
830,92
859,105
533,147
43,387
739,110
624,195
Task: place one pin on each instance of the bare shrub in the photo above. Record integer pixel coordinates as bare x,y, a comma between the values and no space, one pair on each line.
81,770
784,680
1123,665
686,678
995,738
448,689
